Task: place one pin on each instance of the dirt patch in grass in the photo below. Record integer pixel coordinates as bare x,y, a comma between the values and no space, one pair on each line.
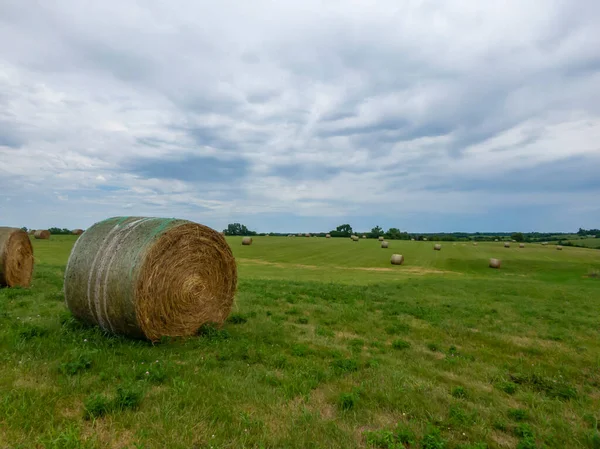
103,430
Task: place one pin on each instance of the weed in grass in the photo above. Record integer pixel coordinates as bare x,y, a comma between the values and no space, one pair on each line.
400,344
397,329
96,406
63,439
404,435
459,392
347,401
30,331
212,333
459,416
554,388
303,320
594,440
473,446
500,425
433,439
517,414
128,398
342,366
433,347
237,318
524,431
324,332
527,443
300,350
79,364
384,439
507,387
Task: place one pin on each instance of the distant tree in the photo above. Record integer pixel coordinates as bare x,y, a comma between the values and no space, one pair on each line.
518,236
394,234
59,231
376,232
344,230
237,229
24,228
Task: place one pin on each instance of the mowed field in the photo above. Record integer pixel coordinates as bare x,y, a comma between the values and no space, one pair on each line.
328,346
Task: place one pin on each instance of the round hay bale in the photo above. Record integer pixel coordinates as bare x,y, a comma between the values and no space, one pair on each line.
544,243
384,244
364,236
474,243
397,259
437,247
42,234
355,238
306,235
31,231
521,245
412,240
558,247
247,241
495,240
77,231
495,263
381,238
328,236
16,258
506,245
150,277
425,239
299,235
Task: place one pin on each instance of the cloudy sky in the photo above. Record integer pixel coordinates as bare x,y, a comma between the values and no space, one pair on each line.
429,116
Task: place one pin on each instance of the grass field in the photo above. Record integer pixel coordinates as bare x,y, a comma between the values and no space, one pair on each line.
329,346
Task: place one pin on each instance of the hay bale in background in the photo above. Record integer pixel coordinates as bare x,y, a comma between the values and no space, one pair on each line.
397,259
474,243
558,247
412,240
425,239
521,245
247,241
42,234
307,235
437,247
506,245
328,236
31,231
384,244
544,243
495,240
381,238
77,231
168,277
495,263
16,258
364,236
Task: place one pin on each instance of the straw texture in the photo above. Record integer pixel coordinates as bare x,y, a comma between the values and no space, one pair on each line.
16,258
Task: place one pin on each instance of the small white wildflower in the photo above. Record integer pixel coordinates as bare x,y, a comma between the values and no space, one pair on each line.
464,434
85,339
147,373
213,437
245,430
157,361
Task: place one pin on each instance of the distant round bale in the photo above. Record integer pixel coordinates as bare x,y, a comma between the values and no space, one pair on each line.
16,258
437,247
495,263
247,241
521,245
495,240
425,239
364,236
42,234
328,236
397,259
150,277
544,243
299,235
474,243
355,238
307,235
412,240
506,245
77,231
558,247
384,244
381,238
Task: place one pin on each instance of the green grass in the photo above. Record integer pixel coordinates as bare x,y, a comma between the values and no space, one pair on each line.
329,346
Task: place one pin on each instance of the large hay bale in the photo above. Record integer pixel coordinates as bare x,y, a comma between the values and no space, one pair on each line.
397,259
384,244
521,245
150,277
495,263
42,234
558,247
381,238
247,241
77,231
16,258
327,236
506,245
355,238
437,247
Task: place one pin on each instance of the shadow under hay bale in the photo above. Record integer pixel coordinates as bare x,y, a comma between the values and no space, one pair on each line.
168,277
42,234
247,241
495,263
16,258
397,259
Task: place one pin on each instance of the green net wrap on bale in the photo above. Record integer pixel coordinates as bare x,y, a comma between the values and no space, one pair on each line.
150,277
16,258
